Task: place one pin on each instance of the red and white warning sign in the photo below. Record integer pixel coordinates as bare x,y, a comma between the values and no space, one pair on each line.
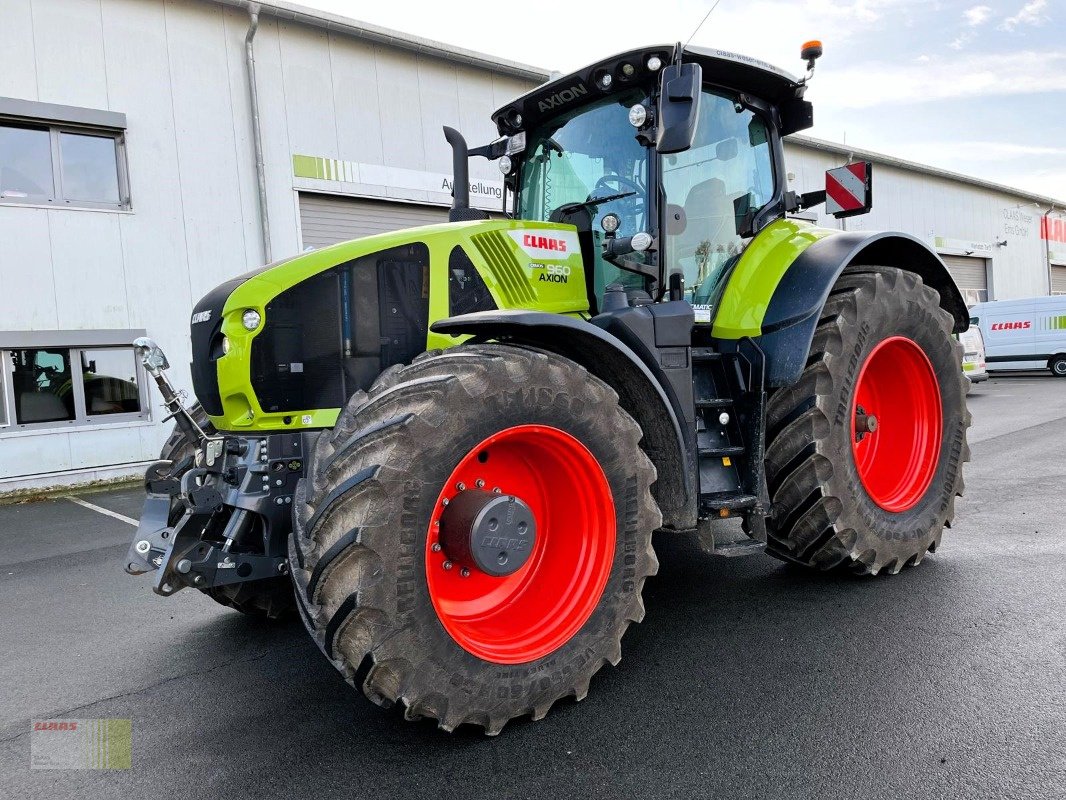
848,190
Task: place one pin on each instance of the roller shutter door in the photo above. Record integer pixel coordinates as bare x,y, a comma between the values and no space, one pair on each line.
1058,279
971,275
325,219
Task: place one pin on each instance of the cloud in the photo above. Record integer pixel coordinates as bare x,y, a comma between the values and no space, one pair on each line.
961,40
1029,14
977,15
987,75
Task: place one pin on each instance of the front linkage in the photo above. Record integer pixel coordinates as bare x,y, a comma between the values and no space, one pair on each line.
218,511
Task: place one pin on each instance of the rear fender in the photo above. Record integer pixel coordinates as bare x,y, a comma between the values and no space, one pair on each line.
794,309
640,393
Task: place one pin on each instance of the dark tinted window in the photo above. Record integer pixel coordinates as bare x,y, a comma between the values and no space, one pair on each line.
42,383
110,379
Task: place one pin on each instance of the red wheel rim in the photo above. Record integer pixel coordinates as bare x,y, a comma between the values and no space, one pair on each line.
532,612
898,388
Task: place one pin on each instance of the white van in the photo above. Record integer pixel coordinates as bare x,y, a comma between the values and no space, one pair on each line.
1024,334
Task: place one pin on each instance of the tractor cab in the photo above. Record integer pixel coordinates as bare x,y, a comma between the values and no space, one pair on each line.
680,149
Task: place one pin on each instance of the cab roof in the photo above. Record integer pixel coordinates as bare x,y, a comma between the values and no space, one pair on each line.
730,70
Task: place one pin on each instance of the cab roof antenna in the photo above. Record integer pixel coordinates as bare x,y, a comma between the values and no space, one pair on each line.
712,8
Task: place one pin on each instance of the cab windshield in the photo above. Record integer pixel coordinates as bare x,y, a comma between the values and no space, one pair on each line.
590,153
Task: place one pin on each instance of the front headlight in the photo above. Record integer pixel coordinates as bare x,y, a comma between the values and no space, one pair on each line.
251,319
225,345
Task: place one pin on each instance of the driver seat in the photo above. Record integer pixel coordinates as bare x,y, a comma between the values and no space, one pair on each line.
709,216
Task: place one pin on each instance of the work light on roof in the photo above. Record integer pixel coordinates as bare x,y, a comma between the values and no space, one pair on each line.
605,80
654,63
505,164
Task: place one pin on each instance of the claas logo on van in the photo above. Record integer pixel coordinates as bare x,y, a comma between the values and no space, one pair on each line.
1012,326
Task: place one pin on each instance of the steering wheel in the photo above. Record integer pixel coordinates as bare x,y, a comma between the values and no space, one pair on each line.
611,184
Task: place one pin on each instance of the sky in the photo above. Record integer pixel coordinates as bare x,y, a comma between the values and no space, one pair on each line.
974,87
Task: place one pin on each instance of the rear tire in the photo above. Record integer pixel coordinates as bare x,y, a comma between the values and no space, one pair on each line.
270,598
837,501
372,584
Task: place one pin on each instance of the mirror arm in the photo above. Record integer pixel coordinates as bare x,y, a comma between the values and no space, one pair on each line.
801,202
811,199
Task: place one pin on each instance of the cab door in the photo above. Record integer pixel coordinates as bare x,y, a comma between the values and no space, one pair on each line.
713,190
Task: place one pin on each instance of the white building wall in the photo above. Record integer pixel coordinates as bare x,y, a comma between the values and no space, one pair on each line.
176,69
928,206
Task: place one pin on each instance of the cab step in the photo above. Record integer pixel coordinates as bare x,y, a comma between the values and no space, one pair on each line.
714,402
703,354
733,501
730,450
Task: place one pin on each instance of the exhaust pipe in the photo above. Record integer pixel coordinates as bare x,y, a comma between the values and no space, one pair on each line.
461,210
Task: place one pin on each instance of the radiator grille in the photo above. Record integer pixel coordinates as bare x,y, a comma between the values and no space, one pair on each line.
513,284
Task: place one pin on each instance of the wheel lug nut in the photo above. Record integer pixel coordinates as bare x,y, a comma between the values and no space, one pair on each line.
436,547
480,483
496,489
464,572
444,501
447,565
460,486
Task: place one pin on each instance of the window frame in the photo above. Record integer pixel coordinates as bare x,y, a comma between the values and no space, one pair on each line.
55,129
82,418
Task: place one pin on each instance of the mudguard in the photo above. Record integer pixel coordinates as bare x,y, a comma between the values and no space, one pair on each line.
778,298
640,392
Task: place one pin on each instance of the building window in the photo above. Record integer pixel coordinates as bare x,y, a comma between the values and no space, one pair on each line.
58,387
60,165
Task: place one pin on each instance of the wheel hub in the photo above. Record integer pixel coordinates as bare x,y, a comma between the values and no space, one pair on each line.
554,569
897,424
494,533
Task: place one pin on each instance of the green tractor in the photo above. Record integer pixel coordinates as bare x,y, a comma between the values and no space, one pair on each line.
456,441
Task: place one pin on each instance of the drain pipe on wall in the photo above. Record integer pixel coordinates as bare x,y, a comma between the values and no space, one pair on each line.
1045,231
257,137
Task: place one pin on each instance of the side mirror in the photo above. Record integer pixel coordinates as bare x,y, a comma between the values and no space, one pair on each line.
849,190
679,107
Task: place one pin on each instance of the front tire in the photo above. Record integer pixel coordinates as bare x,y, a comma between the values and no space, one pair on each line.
381,582
865,451
1057,366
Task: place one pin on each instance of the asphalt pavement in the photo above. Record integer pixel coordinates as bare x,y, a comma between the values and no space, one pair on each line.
747,679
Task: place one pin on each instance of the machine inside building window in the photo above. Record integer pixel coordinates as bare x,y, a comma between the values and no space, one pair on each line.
63,386
53,164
